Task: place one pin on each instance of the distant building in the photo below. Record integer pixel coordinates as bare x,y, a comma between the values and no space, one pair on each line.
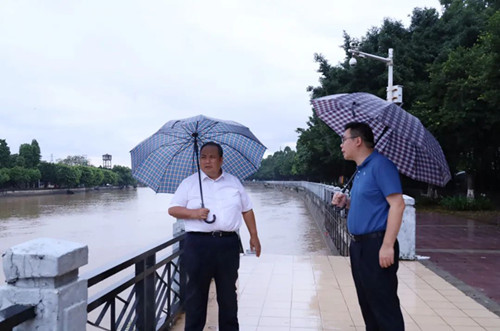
106,161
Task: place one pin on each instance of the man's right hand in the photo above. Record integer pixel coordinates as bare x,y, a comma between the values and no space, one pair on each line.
201,213
339,199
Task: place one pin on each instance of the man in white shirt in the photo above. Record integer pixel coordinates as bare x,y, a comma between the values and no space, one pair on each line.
212,250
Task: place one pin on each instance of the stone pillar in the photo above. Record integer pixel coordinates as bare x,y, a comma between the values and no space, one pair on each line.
44,273
406,235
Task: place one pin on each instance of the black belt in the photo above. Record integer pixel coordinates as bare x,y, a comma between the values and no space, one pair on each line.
361,237
214,233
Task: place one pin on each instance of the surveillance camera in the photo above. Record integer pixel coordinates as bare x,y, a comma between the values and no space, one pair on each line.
353,62
354,44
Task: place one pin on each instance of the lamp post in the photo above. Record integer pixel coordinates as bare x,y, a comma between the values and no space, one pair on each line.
394,92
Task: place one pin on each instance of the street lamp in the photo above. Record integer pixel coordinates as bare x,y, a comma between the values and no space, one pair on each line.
394,92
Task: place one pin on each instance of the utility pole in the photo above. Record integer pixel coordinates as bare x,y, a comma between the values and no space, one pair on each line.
394,92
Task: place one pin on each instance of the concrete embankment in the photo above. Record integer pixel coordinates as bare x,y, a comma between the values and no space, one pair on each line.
52,191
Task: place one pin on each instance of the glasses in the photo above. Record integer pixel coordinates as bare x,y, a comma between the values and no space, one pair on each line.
345,138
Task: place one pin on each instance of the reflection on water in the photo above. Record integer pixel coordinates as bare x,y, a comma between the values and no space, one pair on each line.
118,222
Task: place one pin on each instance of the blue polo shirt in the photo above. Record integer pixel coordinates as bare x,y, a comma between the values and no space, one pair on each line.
376,178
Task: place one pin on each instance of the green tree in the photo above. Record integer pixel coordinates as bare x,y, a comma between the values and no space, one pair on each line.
30,154
19,177
74,160
124,176
318,153
87,178
110,178
36,153
67,176
98,175
4,176
278,166
48,172
5,158
449,66
463,105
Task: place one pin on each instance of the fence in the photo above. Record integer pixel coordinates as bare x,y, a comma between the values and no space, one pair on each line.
333,221
148,299
44,291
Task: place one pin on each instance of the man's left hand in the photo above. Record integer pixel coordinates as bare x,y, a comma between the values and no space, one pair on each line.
386,256
255,245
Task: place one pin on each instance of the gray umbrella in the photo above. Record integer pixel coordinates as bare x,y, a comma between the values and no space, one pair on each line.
399,136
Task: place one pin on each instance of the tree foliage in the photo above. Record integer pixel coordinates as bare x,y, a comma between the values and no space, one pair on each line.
5,158
450,68
26,171
74,160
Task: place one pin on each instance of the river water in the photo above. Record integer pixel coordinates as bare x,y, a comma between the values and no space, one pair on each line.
115,223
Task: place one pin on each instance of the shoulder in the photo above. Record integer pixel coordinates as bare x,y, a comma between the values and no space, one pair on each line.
190,179
383,161
232,179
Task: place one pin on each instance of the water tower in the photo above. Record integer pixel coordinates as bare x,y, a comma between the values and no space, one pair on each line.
106,161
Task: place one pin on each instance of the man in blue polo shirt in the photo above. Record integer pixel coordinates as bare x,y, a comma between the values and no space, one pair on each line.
376,208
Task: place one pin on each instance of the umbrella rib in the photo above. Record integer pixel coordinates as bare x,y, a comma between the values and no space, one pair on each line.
208,129
182,147
243,155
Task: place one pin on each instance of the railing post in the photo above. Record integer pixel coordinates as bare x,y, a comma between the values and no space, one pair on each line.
179,228
44,273
407,233
145,291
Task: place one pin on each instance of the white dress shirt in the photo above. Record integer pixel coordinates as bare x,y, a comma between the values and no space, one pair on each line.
225,197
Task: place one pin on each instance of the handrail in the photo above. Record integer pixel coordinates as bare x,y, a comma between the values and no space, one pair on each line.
101,297
12,316
335,220
148,299
112,268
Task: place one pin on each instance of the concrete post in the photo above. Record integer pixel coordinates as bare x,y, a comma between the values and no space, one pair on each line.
44,273
407,233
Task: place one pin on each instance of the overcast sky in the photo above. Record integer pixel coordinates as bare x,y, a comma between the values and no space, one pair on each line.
96,77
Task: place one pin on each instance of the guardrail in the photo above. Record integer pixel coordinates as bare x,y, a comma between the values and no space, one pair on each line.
334,221
318,198
14,315
150,298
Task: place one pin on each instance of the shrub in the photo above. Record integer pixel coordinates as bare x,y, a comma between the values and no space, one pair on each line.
423,201
462,203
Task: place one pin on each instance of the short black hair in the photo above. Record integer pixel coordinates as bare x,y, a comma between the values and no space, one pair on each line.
362,130
211,143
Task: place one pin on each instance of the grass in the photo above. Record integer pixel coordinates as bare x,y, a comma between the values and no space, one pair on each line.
482,209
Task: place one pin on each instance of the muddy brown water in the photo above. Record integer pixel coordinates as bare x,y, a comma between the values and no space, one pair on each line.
117,223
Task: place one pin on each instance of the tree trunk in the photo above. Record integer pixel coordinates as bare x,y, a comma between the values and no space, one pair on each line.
470,186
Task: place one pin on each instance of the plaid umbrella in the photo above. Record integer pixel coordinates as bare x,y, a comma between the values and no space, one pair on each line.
398,135
163,160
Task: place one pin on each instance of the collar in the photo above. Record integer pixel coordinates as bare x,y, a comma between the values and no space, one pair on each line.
368,159
204,176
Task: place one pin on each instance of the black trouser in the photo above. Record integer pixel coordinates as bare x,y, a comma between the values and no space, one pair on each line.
206,257
376,286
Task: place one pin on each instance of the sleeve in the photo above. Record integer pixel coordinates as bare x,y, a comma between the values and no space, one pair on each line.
388,178
180,198
246,203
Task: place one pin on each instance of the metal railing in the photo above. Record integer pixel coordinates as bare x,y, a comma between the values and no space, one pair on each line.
335,220
12,316
150,298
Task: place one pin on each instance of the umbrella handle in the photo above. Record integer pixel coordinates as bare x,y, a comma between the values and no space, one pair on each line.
210,222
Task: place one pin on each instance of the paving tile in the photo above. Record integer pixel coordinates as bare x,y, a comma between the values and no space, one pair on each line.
427,300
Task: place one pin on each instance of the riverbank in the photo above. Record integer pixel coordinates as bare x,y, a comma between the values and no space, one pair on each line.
53,191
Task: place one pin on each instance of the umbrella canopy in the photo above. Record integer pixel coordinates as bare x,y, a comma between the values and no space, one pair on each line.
163,160
399,136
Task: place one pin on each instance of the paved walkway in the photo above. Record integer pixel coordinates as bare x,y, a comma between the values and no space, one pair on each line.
279,292
464,252
456,288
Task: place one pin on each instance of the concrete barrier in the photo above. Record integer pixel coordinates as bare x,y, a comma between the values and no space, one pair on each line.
44,273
